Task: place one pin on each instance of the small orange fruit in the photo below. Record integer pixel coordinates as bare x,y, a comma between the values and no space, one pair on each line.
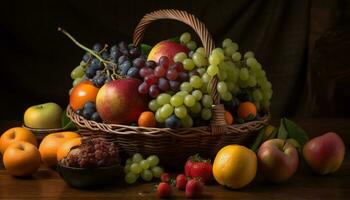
50,144
83,92
246,110
65,148
235,166
21,158
147,119
228,118
16,134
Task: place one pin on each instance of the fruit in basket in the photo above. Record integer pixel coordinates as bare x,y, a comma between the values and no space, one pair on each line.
247,111
164,190
197,167
21,159
66,147
166,48
235,166
194,188
16,134
147,119
228,118
325,153
89,112
278,160
81,94
119,102
51,143
47,115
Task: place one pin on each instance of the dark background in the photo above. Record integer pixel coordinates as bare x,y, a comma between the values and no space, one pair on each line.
303,45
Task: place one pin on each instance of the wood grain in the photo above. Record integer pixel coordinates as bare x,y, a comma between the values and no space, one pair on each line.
46,183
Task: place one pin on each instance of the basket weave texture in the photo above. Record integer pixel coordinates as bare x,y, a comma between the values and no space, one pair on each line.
175,145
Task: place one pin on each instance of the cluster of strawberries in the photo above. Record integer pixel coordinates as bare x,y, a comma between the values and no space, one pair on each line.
198,172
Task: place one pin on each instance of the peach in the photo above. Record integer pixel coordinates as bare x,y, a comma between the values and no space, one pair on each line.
325,153
21,159
66,147
16,134
50,144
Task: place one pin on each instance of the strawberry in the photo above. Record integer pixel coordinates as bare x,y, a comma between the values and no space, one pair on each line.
181,181
194,188
198,167
164,190
188,166
203,170
165,177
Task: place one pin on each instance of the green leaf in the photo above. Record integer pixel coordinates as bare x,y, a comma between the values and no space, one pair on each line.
145,49
250,117
64,119
282,132
257,142
295,131
273,134
66,123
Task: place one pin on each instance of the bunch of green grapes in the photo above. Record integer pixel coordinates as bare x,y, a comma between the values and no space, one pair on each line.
78,73
192,101
237,73
137,166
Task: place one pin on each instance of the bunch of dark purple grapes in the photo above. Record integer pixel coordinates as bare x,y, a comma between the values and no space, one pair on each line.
122,59
93,152
89,112
164,77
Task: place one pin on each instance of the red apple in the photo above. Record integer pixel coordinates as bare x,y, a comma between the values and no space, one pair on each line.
119,102
325,153
166,48
278,160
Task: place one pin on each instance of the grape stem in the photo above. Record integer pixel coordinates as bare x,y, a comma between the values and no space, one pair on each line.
92,52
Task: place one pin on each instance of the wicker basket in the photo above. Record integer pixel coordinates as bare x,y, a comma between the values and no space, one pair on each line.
173,146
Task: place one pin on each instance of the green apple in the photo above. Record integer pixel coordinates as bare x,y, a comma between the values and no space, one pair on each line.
47,115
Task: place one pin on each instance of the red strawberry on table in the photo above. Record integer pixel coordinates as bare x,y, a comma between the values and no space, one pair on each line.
197,167
181,181
164,190
165,177
194,188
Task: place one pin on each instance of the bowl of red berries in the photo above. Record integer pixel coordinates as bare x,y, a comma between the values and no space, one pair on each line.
95,163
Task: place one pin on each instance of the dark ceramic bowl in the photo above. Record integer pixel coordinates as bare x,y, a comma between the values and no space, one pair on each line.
40,133
90,177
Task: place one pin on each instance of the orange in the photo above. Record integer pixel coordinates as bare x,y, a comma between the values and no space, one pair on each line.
21,159
235,166
50,144
65,148
147,119
246,110
16,134
228,118
83,92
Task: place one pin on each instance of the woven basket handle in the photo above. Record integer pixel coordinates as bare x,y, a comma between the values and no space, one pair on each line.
218,120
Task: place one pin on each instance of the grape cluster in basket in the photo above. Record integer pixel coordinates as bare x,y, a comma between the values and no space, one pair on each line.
179,87
181,91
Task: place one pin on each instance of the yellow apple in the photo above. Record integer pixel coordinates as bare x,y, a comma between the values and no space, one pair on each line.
47,115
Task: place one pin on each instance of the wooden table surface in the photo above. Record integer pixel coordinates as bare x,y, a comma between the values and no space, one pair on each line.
46,183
